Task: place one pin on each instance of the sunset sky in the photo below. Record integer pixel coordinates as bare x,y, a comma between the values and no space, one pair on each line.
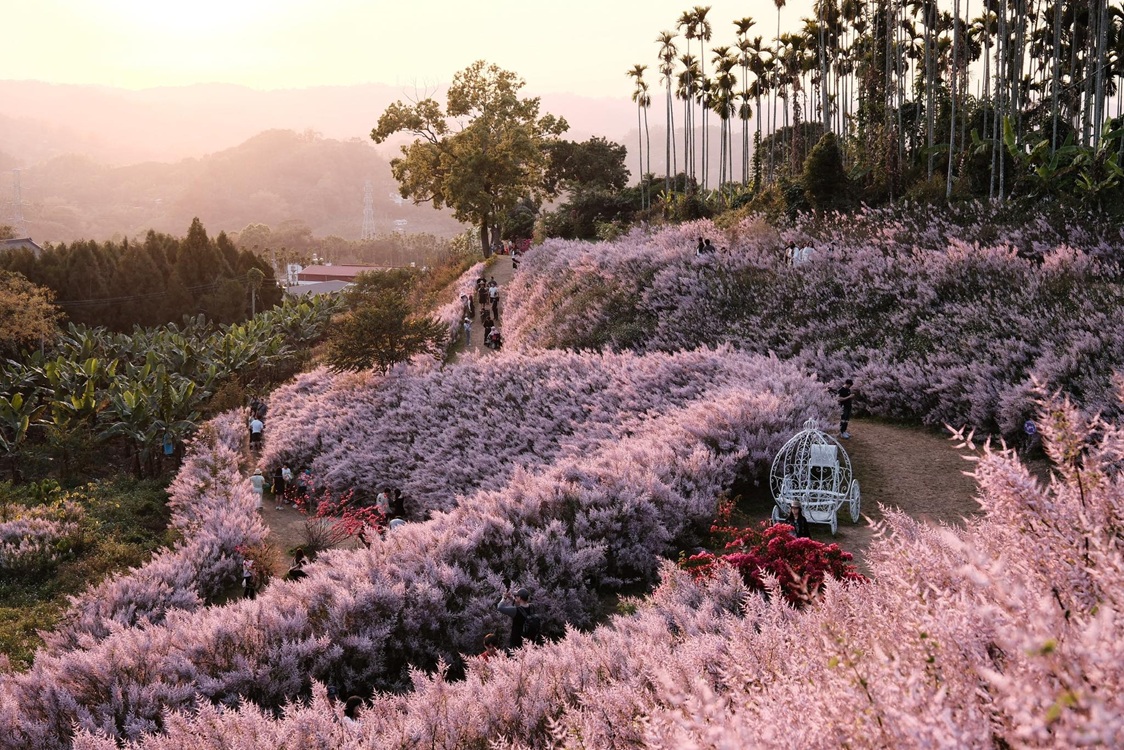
579,46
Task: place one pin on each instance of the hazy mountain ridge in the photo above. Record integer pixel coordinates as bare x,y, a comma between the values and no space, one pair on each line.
97,161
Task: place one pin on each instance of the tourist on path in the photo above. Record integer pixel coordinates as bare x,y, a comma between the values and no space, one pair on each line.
846,397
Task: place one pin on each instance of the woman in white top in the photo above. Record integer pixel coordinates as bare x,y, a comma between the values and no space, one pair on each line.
257,481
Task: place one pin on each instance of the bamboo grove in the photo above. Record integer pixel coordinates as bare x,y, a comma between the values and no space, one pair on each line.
959,98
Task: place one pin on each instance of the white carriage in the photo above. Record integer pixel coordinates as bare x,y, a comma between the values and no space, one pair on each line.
813,468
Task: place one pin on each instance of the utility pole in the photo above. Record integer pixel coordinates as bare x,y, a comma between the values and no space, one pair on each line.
368,232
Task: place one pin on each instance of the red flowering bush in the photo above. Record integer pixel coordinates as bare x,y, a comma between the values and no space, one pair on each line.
332,519
761,553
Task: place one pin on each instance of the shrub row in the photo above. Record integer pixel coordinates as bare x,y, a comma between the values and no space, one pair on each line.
934,326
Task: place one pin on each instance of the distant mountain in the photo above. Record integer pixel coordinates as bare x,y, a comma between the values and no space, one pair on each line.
274,177
97,161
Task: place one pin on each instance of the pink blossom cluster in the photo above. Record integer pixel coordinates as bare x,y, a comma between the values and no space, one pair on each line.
34,536
573,525
1003,633
213,513
933,324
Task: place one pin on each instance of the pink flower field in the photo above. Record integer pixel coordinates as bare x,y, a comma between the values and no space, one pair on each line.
639,384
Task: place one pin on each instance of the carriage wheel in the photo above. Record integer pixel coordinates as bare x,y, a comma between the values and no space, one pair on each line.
856,502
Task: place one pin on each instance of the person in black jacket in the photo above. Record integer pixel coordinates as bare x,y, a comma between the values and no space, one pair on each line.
796,520
518,608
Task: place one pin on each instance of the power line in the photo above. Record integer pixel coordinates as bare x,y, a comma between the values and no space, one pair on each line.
93,301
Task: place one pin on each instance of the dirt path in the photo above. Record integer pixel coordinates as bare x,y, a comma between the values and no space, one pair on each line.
501,271
910,468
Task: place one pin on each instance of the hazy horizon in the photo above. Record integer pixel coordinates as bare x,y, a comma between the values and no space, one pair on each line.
582,47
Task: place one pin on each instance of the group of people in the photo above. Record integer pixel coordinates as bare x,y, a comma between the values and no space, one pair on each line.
258,411
795,255
285,488
487,294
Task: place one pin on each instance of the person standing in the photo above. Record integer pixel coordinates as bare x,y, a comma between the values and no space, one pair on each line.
523,619
257,481
256,429
249,590
468,331
487,323
796,520
846,397
278,487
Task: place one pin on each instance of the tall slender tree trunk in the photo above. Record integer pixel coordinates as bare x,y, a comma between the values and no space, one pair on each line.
1056,77
953,81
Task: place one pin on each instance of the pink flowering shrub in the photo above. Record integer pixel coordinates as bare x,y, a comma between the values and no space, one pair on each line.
213,511
34,538
933,323
1004,633
442,435
451,313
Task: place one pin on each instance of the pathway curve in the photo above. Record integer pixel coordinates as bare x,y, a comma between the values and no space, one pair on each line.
914,469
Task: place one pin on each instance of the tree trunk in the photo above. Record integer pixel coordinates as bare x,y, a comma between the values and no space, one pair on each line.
485,247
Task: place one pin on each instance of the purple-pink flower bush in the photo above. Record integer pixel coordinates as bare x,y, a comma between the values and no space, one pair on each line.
34,538
442,435
934,324
1004,633
572,517
212,511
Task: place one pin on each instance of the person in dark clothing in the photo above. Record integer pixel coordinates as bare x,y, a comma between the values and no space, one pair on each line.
846,397
518,608
397,504
796,520
488,323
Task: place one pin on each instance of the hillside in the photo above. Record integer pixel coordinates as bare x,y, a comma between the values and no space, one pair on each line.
97,162
273,177
586,462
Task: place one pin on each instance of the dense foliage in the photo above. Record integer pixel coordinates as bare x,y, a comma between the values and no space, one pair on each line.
28,315
380,327
94,388
938,322
118,285
573,522
961,639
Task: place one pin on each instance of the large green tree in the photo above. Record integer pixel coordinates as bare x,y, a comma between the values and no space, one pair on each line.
479,156
379,328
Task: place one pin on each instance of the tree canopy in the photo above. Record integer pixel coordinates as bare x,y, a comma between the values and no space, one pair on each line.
479,156
27,312
596,163
379,329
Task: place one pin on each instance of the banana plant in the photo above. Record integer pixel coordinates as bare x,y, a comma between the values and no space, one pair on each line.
17,415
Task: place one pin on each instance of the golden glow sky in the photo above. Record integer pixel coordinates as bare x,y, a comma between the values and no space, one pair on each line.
579,46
